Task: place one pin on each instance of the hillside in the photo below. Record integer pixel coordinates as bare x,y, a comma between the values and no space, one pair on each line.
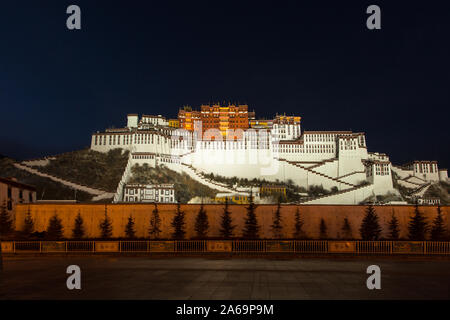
185,187
91,168
46,189
440,190
103,171
98,170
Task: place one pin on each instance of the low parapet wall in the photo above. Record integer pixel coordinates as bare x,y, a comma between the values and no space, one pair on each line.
231,247
333,216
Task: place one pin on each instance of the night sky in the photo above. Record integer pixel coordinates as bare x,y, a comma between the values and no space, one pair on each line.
315,59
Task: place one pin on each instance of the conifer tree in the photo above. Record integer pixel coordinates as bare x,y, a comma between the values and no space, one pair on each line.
438,230
129,228
276,226
28,224
346,230
323,229
394,231
201,223
251,227
226,227
78,229
370,228
155,224
55,228
323,233
5,221
298,225
105,226
178,224
417,226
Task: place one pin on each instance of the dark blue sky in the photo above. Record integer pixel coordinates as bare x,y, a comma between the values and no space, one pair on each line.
316,59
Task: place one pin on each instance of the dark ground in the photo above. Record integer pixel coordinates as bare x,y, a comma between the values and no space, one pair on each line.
114,277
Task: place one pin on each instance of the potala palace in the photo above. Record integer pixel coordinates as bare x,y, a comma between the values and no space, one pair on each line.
228,141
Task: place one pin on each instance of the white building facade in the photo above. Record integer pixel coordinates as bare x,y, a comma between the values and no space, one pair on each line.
332,159
159,193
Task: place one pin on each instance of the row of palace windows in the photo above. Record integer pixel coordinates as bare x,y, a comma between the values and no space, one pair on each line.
134,191
126,139
169,160
111,139
143,156
321,148
233,145
152,156
382,169
320,137
348,145
157,199
426,168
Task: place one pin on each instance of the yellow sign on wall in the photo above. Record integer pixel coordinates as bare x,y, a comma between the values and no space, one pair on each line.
341,246
219,246
54,246
162,246
407,247
107,246
279,246
7,246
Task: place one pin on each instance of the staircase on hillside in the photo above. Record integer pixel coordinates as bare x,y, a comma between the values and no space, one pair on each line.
193,173
322,163
118,196
305,201
99,194
420,191
316,172
349,174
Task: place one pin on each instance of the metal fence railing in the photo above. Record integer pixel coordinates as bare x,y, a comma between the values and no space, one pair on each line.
374,247
80,246
311,246
26,246
231,246
133,246
190,246
249,246
437,247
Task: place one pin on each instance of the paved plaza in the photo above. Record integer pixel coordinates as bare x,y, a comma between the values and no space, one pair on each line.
120,277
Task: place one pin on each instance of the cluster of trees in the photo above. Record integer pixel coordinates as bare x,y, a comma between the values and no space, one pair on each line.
55,228
418,227
370,229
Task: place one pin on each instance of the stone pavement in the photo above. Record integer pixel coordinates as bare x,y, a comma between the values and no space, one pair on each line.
114,277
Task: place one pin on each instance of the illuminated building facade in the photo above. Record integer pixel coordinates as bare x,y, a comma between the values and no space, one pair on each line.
187,118
223,118
275,150
174,123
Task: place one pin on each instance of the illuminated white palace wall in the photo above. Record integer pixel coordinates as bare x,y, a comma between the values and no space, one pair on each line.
328,158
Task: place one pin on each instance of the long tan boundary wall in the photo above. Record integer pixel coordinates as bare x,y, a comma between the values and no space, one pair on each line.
311,214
